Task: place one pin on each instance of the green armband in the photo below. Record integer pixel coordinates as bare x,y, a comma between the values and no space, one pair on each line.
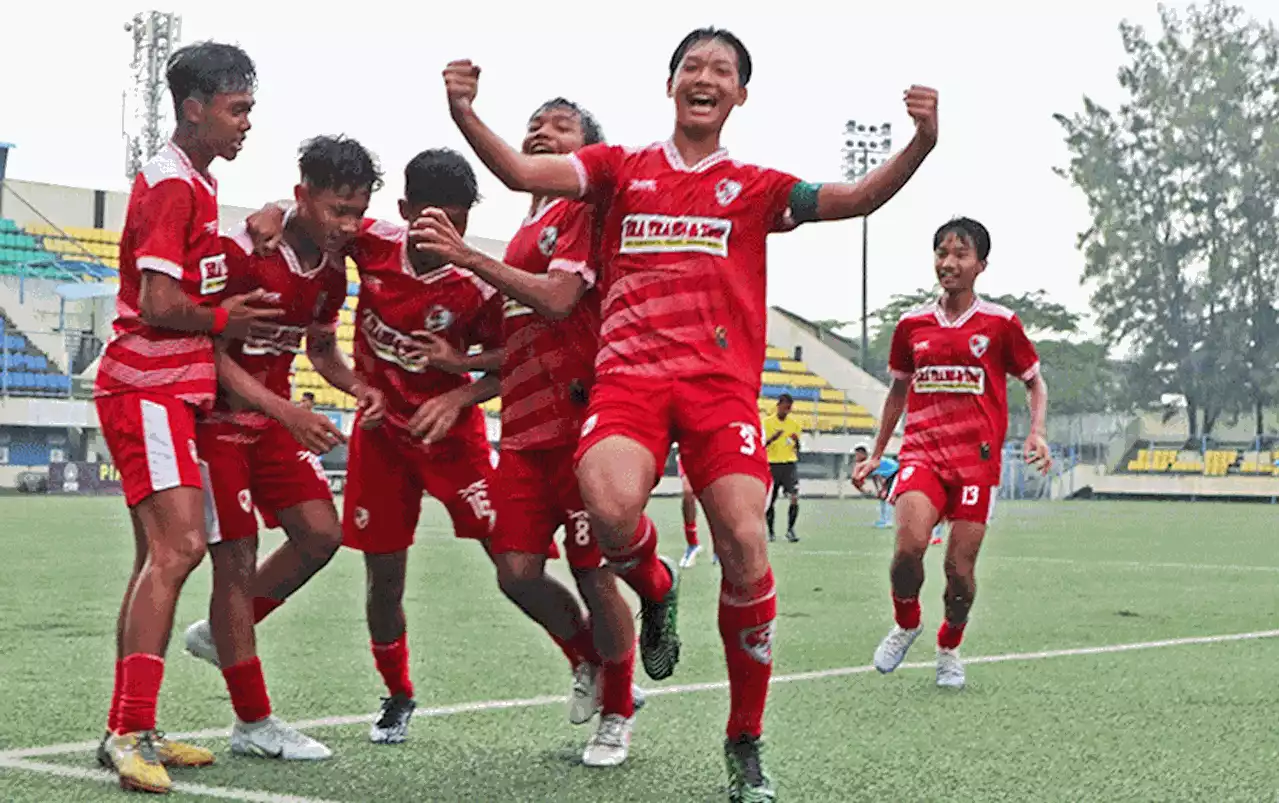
803,202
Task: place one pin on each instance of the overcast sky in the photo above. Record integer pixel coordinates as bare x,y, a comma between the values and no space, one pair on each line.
1002,69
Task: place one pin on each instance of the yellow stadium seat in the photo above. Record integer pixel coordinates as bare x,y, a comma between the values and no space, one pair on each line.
792,367
775,353
793,380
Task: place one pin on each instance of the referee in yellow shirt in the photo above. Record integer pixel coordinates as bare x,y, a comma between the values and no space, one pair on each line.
782,446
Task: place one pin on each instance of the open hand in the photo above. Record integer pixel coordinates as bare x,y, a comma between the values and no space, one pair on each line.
435,234
242,316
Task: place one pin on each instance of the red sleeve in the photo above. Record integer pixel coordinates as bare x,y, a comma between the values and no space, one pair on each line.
778,187
335,295
486,331
598,169
239,270
1020,358
165,214
901,361
575,243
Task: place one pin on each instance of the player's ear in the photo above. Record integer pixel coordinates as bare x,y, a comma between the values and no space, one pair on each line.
741,97
192,111
301,193
670,88
982,266
404,210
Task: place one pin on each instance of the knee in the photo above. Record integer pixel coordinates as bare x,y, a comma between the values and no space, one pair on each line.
612,511
516,578
744,557
322,543
177,556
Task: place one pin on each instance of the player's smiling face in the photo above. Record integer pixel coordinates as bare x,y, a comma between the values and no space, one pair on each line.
706,87
554,130
222,122
332,217
956,263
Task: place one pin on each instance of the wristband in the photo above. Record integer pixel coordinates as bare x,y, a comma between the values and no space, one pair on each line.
220,319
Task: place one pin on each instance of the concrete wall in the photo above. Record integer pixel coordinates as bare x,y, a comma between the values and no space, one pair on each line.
73,206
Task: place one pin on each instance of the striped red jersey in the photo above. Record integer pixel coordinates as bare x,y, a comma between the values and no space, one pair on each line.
685,252
309,300
171,227
957,410
397,305
549,365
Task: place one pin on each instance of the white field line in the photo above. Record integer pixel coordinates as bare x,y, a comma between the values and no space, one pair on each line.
9,756
1127,564
202,790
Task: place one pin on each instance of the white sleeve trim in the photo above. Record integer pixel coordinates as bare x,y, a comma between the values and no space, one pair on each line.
582,269
584,183
158,265
896,374
1031,372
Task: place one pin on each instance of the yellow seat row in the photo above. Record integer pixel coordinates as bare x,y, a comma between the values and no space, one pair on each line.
766,407
793,380
1153,460
775,353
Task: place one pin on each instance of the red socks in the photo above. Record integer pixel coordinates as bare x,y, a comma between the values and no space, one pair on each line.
949,635
746,626
248,690
691,533
906,612
263,606
580,649
615,686
113,715
392,661
142,675
638,564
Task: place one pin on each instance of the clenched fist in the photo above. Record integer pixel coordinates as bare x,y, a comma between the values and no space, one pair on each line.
922,105
461,83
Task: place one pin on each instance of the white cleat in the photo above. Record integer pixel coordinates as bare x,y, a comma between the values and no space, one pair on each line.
950,669
199,642
583,699
690,556
271,738
894,648
609,745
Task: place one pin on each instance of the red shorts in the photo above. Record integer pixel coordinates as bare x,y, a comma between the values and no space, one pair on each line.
388,472
954,502
714,419
247,467
152,440
535,493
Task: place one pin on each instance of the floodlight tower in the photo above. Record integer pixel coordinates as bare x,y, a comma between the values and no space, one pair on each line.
866,147
145,117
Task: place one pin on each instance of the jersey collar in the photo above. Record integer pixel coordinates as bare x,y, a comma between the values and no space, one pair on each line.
677,161
210,183
543,208
940,313
291,256
407,267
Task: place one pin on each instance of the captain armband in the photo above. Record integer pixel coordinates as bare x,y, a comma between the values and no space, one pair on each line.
803,202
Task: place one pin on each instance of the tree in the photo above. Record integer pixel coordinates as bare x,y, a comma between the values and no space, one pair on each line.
1181,182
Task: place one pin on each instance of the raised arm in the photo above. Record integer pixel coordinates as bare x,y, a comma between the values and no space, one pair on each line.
541,174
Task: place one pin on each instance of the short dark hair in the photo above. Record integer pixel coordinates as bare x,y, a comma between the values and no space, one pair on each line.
785,397
332,163
967,229
591,131
204,69
702,35
440,177
862,449
309,395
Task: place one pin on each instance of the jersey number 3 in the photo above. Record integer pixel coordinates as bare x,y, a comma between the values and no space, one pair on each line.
748,433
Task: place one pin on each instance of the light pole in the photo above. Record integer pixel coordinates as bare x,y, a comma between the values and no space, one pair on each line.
865,147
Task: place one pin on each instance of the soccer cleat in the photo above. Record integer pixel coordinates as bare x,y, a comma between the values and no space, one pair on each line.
950,669
199,642
133,757
170,753
609,745
583,699
748,781
659,639
690,556
894,648
271,738
792,537
392,724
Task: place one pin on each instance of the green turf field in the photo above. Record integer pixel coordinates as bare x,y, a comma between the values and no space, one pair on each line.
1169,722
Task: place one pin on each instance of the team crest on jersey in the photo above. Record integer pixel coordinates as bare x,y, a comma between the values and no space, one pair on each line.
547,240
245,500
727,190
758,642
361,518
438,319
590,424
978,345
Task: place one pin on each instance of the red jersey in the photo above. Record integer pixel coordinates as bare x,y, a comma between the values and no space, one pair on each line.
957,411
685,251
396,304
171,227
549,365
310,300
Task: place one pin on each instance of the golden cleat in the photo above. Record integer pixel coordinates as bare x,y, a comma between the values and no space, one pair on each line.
134,757
181,754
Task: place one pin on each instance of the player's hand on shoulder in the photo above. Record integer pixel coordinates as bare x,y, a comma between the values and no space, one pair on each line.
266,228
1036,453
434,233
461,84
371,406
314,431
248,310
435,418
922,105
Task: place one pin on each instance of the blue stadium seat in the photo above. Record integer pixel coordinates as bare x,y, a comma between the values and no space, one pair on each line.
772,365
799,394
353,288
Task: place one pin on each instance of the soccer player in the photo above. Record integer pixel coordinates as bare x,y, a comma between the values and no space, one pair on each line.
308,400
251,460
155,373
684,339
551,323
881,477
949,361
689,510
782,447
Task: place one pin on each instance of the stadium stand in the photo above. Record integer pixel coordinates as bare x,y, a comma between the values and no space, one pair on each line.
24,369
93,249
1258,458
